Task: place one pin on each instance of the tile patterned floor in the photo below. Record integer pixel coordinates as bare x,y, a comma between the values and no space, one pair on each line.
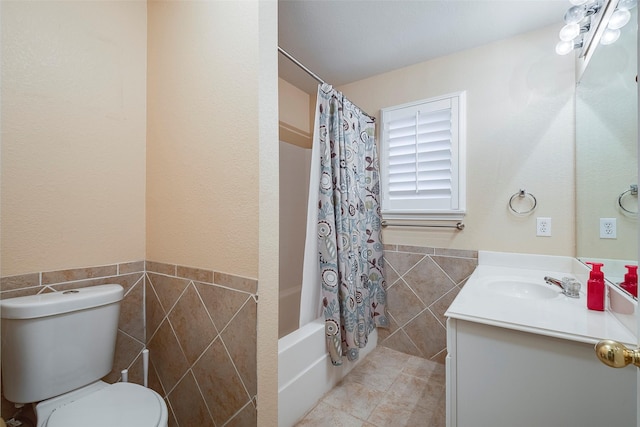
386,389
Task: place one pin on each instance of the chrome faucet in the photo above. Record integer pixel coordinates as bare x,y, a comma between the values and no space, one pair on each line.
570,286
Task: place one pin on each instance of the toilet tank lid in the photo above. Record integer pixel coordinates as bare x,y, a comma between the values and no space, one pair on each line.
49,304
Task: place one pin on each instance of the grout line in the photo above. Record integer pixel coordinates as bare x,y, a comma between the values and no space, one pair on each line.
389,265
184,353
172,412
437,319
165,314
206,404
133,286
215,327
224,345
250,402
195,380
386,400
414,265
204,283
132,337
443,271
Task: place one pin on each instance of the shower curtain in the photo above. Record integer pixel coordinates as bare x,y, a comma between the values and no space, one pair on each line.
344,224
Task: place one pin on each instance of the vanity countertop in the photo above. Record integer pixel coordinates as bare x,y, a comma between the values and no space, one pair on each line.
551,315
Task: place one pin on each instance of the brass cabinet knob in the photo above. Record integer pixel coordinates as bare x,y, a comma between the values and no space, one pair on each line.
617,355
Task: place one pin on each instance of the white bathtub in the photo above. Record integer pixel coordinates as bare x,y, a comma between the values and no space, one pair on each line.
305,372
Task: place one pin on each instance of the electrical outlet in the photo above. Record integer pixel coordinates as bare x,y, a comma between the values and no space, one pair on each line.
543,227
608,229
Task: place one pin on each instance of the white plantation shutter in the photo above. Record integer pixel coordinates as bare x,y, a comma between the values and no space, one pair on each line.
422,159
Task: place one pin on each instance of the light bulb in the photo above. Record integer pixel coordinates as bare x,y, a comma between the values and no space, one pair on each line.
619,19
575,14
569,32
627,4
609,36
564,47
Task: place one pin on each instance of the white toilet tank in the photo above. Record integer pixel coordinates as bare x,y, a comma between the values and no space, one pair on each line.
57,342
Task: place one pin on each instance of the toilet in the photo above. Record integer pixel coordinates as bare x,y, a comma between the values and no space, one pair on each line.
56,347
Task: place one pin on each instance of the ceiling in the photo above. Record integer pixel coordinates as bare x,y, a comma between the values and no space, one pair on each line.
343,41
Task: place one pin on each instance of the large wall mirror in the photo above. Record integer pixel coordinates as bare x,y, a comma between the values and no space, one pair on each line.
606,155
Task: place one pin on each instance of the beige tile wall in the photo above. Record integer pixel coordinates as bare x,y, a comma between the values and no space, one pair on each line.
201,325
201,334
421,284
200,328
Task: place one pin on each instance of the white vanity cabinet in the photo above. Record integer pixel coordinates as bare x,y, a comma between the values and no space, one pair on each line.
521,352
505,378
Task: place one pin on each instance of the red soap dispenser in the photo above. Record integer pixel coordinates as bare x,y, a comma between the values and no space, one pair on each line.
595,287
630,283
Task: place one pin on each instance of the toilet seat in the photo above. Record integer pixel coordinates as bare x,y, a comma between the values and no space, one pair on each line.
119,404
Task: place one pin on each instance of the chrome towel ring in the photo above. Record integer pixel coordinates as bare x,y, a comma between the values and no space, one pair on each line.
633,191
520,195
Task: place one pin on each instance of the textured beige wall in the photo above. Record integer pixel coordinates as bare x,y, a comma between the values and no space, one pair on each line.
212,152
73,134
295,115
75,92
520,134
202,133
267,337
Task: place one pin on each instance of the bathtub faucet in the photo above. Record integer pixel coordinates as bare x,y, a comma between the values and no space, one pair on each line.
570,286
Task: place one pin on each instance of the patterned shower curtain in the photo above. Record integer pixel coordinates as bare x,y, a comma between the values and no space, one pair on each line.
349,225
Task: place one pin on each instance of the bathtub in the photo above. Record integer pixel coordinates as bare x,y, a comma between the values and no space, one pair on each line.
305,372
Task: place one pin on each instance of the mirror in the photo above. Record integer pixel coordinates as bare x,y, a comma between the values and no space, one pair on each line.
606,155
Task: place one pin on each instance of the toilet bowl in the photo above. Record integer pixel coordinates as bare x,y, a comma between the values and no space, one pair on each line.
104,405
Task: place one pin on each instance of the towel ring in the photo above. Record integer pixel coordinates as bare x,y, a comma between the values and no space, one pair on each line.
521,195
633,191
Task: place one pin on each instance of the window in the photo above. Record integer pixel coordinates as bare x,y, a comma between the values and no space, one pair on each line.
422,156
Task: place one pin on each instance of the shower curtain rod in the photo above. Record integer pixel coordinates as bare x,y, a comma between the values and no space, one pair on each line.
314,75
299,64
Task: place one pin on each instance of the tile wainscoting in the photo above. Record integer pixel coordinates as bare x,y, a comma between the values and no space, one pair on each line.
201,334
200,325
421,284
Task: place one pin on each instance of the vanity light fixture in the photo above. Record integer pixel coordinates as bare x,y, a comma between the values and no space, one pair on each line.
577,20
571,31
609,36
565,47
619,19
627,4
583,19
578,13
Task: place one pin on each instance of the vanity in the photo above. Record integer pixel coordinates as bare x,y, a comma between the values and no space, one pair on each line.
520,352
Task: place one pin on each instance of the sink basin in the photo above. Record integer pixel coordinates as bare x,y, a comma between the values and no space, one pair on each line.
519,288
